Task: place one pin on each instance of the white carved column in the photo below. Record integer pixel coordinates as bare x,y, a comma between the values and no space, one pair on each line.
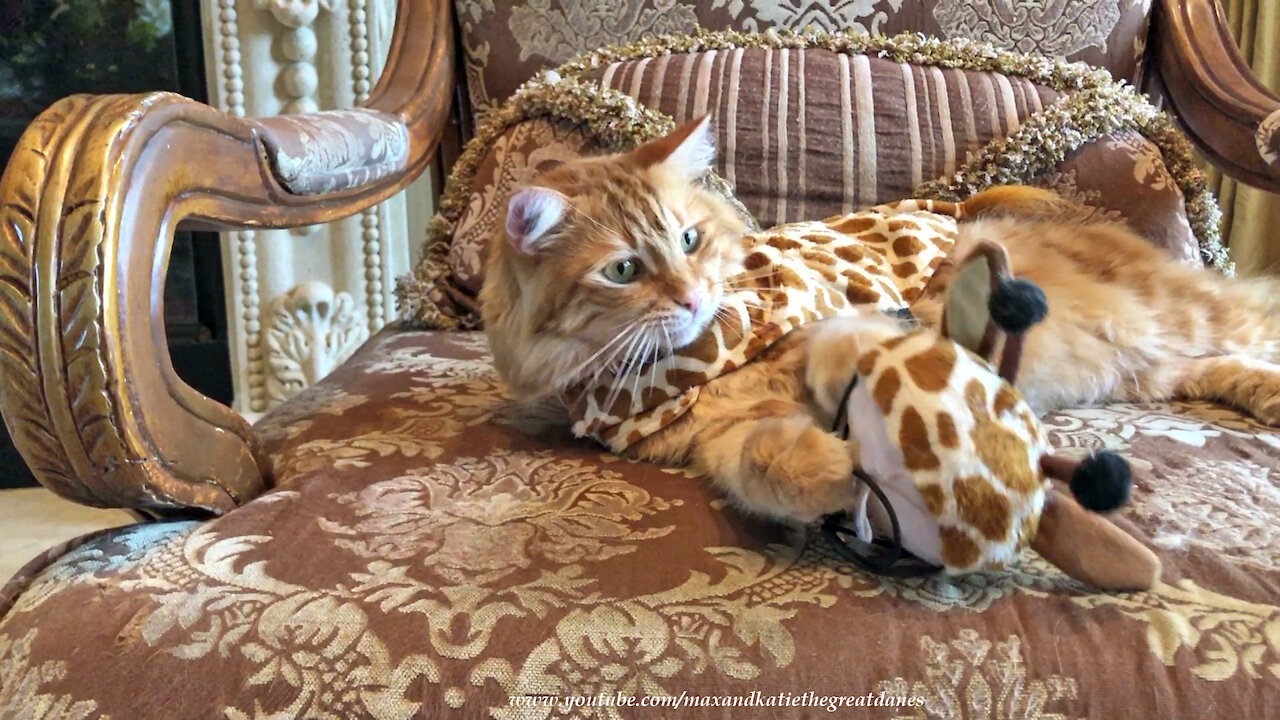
301,301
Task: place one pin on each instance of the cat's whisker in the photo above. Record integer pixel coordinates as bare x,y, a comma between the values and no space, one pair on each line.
573,374
620,332
610,364
624,323
648,350
727,315
752,275
748,300
748,276
664,323
635,381
584,214
746,289
667,361
620,377
748,294
614,361
613,382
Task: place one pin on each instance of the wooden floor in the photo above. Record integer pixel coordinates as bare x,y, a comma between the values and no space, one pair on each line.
33,519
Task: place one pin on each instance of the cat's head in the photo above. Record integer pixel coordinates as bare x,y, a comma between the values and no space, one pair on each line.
624,255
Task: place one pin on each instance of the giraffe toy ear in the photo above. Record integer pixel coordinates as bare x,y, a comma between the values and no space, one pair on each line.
966,317
1100,482
984,299
1080,542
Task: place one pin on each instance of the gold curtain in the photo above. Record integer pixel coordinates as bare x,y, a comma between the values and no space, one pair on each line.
1251,217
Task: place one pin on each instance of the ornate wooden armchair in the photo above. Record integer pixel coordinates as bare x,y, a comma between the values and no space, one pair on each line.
98,184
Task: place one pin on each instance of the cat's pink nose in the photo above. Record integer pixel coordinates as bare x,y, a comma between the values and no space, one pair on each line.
691,301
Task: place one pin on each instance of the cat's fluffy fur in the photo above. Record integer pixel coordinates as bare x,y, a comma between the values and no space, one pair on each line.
1126,322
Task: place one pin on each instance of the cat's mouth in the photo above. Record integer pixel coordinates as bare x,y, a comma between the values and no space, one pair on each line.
685,336
688,327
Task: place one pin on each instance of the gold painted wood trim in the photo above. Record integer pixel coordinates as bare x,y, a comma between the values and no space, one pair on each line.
88,206
1229,114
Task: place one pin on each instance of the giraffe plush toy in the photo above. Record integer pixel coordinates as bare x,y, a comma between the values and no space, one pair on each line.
959,463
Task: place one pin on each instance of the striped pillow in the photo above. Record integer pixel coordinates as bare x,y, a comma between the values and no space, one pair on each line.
506,43
806,133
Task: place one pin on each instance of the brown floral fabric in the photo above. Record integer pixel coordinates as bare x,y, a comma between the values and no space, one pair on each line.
507,43
808,133
434,549
1123,177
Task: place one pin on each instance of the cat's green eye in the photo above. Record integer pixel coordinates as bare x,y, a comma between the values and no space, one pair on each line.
622,271
690,239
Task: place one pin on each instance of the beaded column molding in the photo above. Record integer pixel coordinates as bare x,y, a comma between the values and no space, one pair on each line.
299,306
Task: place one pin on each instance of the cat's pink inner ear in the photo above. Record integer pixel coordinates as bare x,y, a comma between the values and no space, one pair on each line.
689,149
531,214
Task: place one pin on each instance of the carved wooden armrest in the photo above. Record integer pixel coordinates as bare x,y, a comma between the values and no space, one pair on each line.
1231,116
88,206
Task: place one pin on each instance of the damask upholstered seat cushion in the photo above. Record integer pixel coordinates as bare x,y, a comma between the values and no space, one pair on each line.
507,43
433,550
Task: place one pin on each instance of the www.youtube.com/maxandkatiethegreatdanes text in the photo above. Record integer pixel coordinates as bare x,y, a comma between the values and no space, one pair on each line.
830,703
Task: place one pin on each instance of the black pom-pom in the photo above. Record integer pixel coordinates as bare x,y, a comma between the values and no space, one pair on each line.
1017,304
1101,483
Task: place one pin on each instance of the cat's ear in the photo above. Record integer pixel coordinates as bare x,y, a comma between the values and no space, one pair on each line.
689,149
531,213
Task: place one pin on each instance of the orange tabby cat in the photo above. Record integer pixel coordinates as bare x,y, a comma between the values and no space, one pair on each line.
613,261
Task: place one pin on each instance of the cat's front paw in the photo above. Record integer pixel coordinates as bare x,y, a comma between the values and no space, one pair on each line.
810,471
1263,401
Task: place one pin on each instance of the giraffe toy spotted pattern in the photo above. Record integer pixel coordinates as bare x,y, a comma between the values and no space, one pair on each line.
954,446
948,436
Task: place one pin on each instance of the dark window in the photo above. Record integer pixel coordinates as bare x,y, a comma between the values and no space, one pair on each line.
53,48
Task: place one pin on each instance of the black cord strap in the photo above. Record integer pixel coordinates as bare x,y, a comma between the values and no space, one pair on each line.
840,426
